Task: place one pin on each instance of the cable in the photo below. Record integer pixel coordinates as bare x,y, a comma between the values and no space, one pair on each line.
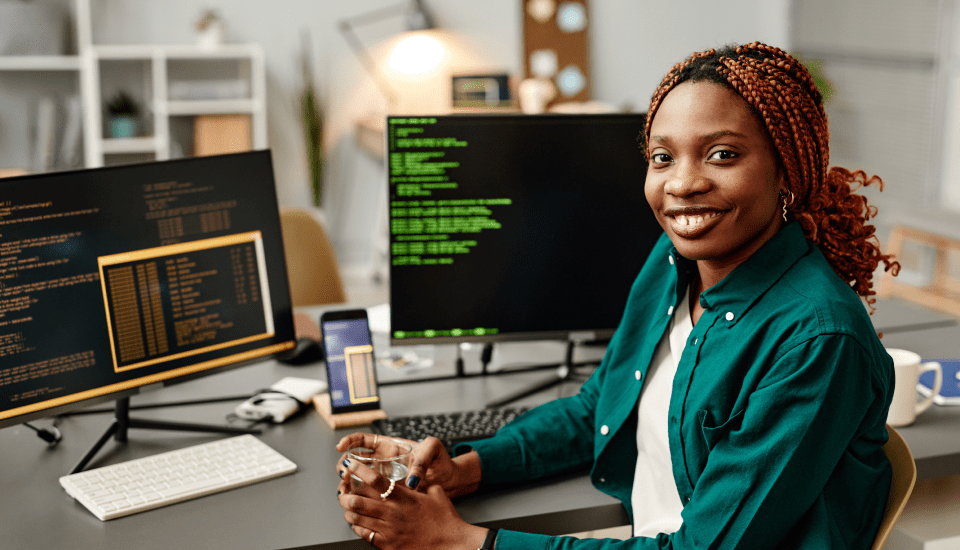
485,356
460,368
51,437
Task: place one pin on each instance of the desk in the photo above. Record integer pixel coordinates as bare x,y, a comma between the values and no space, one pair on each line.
300,511
297,511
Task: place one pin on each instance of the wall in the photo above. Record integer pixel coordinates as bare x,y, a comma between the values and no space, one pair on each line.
890,64
634,42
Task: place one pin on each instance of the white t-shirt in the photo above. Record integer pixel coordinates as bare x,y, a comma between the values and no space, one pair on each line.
655,499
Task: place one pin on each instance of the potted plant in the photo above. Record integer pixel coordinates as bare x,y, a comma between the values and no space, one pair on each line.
211,30
123,112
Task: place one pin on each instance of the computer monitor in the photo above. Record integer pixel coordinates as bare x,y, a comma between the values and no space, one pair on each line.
119,279
514,227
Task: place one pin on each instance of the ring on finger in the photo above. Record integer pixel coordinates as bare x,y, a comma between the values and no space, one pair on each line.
385,494
370,538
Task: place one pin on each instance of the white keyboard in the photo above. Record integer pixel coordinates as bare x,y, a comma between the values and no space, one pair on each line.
146,483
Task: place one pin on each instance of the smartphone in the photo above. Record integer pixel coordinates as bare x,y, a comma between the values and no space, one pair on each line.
351,368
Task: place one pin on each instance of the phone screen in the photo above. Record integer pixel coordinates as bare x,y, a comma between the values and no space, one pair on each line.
351,370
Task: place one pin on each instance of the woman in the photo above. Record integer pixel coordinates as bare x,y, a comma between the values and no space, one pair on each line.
745,382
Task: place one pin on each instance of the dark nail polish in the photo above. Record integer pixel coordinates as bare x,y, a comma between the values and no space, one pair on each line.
341,474
413,481
339,493
346,463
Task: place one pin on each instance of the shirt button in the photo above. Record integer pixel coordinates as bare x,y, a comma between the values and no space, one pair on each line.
604,430
603,480
688,499
638,374
671,259
695,340
670,310
729,316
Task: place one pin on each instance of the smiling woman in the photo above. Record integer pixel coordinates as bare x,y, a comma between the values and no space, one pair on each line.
742,402
785,101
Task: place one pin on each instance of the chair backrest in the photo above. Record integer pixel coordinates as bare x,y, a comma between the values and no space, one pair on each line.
904,478
311,264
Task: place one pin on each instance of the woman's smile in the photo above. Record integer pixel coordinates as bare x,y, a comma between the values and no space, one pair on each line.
693,222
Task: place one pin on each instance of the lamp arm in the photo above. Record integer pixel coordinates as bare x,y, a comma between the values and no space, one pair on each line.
346,29
373,16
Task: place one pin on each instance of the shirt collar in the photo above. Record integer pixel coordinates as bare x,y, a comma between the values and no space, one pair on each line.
749,280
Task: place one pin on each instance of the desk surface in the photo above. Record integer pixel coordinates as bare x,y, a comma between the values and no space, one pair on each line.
296,511
300,510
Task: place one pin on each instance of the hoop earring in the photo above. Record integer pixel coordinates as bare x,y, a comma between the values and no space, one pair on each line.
783,198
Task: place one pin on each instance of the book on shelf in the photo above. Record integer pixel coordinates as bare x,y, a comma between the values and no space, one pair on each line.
45,134
70,154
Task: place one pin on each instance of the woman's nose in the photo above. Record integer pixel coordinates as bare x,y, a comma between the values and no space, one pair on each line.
685,180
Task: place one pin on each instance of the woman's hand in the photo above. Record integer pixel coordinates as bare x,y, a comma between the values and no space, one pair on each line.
429,463
400,517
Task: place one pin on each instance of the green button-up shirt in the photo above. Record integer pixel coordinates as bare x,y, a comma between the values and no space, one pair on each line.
776,419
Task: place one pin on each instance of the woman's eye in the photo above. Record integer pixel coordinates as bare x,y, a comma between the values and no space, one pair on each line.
722,154
659,158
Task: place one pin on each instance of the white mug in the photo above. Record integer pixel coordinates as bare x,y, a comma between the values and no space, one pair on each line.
904,408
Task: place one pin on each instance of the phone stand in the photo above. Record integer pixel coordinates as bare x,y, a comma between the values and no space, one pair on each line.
345,420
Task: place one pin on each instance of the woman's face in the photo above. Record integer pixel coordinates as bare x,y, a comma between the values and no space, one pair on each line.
713,180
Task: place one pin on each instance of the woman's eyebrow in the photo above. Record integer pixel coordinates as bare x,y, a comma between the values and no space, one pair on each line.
704,137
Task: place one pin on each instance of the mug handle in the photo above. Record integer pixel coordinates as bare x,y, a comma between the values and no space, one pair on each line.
937,383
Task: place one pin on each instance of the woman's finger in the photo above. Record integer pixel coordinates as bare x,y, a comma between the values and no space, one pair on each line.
423,455
373,537
365,481
357,439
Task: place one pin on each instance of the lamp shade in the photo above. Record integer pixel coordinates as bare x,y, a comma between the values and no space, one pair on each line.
417,53
419,66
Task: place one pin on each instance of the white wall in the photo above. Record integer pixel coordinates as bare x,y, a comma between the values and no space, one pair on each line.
633,43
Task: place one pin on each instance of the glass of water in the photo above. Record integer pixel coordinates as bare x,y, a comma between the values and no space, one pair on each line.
388,457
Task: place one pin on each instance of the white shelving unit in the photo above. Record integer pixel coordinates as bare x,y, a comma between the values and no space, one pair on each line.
155,76
159,68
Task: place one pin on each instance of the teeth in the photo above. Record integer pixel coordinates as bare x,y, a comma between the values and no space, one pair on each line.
684,219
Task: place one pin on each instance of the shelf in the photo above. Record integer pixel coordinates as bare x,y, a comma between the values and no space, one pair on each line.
212,106
174,51
39,63
173,83
129,145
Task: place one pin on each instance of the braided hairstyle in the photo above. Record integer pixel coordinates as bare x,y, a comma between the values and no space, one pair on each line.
781,92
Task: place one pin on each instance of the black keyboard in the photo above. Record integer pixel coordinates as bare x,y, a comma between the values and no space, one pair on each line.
449,428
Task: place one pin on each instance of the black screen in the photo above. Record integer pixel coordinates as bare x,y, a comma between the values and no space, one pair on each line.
514,226
116,278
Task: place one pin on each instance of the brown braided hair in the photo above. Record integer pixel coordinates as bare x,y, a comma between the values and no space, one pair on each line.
783,96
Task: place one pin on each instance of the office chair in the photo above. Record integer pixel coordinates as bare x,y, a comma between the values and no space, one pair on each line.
904,478
311,264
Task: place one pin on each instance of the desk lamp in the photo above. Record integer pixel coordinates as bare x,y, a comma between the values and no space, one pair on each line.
416,54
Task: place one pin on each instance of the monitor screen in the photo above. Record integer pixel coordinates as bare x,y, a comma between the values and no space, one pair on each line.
514,226
117,278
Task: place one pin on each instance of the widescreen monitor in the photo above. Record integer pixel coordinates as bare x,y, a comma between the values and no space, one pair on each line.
122,278
514,227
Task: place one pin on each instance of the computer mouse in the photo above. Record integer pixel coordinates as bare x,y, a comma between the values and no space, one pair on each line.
306,351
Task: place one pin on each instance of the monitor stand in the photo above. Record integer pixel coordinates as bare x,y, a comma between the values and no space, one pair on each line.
122,422
566,372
